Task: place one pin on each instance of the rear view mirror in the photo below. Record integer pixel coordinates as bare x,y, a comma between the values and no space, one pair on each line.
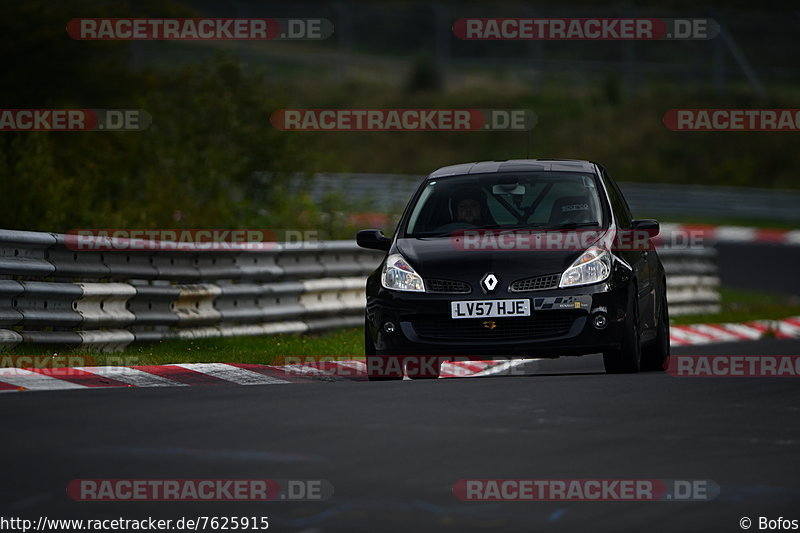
508,188
373,239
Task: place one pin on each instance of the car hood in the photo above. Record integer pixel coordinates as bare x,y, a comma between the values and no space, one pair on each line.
445,258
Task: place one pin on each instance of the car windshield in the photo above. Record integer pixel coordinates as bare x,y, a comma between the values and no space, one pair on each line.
531,200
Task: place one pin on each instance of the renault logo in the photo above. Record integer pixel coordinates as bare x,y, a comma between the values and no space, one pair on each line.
490,281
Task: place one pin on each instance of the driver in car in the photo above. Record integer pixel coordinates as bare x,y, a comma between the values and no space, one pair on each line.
470,206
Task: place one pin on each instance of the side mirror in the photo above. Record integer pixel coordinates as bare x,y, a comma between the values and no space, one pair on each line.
651,226
373,239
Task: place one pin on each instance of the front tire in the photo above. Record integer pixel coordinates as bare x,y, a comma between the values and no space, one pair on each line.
428,367
376,370
627,358
656,356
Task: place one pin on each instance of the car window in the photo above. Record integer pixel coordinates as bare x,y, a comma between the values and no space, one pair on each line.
622,212
535,200
556,193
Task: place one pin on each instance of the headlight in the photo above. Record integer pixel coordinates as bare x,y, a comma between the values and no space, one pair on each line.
399,276
592,266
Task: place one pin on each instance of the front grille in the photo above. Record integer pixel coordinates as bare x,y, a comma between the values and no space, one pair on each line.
548,324
539,283
447,286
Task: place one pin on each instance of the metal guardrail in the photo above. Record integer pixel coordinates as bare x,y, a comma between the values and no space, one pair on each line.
382,191
106,300
692,280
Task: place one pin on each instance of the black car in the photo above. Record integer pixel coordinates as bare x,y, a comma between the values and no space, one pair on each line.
521,258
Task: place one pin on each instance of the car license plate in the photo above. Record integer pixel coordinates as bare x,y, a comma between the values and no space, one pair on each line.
490,308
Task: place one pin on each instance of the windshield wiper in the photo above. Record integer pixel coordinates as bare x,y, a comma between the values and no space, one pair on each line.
571,225
429,235
505,227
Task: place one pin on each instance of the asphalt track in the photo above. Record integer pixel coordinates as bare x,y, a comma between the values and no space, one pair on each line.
394,450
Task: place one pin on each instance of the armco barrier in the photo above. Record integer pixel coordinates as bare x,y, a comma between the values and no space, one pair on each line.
692,280
387,193
105,300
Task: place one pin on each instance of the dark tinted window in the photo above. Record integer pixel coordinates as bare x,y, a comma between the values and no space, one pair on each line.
505,201
622,212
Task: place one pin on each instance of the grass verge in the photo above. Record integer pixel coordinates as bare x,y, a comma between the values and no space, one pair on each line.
343,343
737,306
743,306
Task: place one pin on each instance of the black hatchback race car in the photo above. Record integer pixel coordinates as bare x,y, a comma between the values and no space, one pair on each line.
522,258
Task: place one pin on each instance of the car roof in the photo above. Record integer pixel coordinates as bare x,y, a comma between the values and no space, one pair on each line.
515,165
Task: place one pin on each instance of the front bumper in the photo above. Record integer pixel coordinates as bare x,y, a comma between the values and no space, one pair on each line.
423,325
